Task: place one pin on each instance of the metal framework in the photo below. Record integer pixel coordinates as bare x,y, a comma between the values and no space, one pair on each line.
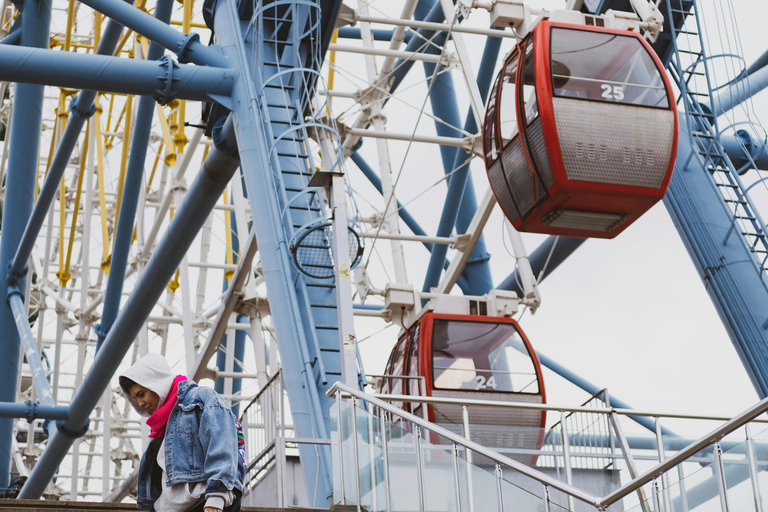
110,247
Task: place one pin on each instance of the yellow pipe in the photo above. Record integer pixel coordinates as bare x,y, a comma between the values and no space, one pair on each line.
105,258
228,233
97,18
181,139
62,119
66,276
110,138
68,34
192,25
170,154
331,69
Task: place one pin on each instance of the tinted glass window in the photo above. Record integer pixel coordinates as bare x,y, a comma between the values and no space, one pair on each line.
507,108
414,385
396,368
489,128
481,356
529,85
605,67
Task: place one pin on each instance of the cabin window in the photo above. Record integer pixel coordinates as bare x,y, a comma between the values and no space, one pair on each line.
507,106
605,67
481,356
414,384
396,368
489,127
529,85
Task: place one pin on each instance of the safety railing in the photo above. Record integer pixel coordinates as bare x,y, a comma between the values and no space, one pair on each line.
368,450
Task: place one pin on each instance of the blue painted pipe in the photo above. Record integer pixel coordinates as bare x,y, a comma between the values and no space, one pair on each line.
551,252
82,108
113,74
460,188
739,92
594,390
722,259
205,191
187,47
741,146
32,411
131,190
25,128
39,378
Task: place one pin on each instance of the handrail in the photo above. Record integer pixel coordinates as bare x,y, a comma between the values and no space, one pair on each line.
720,432
540,477
548,407
599,503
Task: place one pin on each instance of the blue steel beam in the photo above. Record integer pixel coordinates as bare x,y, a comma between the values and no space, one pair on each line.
132,186
32,411
163,80
722,259
25,128
460,195
740,91
187,46
250,109
39,378
545,258
82,108
204,192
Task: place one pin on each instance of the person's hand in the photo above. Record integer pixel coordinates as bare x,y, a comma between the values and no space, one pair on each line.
211,509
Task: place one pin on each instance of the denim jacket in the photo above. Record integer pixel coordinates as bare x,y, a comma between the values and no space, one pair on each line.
200,446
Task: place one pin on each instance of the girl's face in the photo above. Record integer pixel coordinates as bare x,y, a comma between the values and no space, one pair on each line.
146,398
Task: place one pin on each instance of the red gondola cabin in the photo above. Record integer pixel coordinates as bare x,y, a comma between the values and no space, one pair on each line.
472,357
580,131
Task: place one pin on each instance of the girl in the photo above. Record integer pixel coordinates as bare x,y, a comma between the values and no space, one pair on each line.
193,461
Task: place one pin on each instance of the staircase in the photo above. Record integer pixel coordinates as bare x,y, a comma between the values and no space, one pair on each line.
80,506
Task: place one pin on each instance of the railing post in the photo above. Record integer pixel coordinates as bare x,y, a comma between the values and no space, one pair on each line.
627,453
662,457
722,487
547,501
456,480
372,456
753,469
385,450
566,458
655,492
357,454
681,485
280,462
341,450
468,457
419,468
499,494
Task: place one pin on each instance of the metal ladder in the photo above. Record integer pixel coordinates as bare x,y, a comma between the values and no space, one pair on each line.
287,65
689,69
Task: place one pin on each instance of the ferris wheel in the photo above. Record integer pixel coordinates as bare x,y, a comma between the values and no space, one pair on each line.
351,159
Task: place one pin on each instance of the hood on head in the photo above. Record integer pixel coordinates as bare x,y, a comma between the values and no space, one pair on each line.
154,373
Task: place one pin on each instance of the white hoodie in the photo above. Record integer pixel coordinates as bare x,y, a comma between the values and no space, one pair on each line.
154,373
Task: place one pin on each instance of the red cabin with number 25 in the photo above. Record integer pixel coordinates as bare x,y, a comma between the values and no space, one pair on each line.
580,131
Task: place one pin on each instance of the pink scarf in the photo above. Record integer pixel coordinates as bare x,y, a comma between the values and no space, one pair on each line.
160,417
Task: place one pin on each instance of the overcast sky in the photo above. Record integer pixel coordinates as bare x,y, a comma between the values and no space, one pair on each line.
629,314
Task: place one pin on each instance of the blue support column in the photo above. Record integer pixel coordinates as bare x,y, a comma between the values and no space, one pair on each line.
722,258
187,46
25,128
133,182
203,193
546,257
460,202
